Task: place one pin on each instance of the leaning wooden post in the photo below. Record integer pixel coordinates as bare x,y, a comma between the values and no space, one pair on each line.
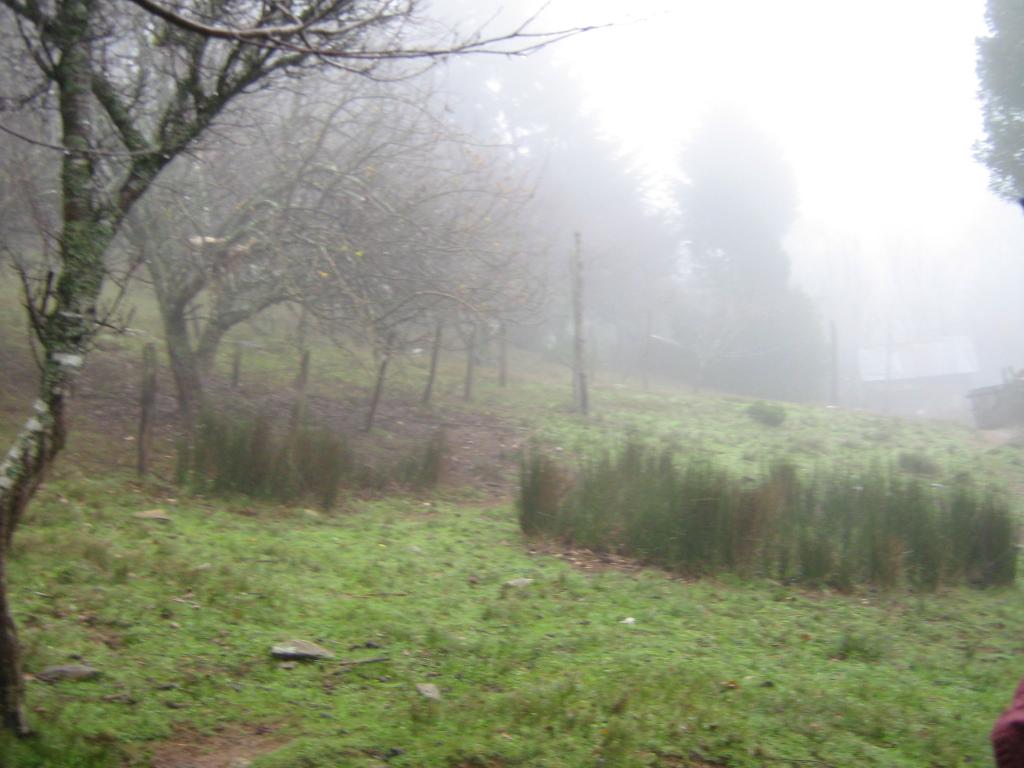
467,385
435,354
645,359
147,401
502,354
834,360
578,360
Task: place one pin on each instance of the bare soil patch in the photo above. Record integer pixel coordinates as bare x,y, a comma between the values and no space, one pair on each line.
587,560
481,447
229,749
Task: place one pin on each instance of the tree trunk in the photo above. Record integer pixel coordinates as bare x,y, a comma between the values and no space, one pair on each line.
379,387
64,329
12,687
207,345
184,367
435,354
20,474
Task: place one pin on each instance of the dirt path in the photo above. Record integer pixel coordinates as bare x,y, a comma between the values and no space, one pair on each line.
481,447
228,749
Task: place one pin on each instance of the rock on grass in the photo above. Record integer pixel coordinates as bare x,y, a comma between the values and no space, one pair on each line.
68,672
429,691
300,650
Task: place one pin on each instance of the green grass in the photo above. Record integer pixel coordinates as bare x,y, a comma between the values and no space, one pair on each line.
180,618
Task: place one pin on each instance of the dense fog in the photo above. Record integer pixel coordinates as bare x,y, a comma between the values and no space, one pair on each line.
785,203
498,382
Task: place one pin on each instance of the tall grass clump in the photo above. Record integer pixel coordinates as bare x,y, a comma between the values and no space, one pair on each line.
236,454
832,528
769,414
541,484
424,468
233,453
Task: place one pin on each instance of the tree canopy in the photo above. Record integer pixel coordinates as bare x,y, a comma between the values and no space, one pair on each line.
1000,63
739,203
744,327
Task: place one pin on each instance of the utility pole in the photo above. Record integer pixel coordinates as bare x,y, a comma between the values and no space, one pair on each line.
834,343
579,372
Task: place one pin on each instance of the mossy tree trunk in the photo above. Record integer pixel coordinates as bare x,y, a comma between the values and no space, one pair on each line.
64,323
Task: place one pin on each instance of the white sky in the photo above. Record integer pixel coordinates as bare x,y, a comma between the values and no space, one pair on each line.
874,101
875,105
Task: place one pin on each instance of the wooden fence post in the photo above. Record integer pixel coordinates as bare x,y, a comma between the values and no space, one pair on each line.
378,388
299,407
435,353
502,355
467,384
236,365
148,406
579,368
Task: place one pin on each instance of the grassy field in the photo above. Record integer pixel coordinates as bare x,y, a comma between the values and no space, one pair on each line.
179,616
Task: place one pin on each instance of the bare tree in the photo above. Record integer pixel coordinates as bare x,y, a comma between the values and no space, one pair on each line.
134,87
222,240
407,258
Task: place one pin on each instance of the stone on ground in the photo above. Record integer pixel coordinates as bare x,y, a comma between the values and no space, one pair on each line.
429,691
300,650
68,672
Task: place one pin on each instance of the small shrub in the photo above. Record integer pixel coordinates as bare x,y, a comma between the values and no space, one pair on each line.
320,462
815,557
769,414
59,746
369,478
97,552
853,646
834,528
917,463
541,484
983,537
183,461
232,454
425,468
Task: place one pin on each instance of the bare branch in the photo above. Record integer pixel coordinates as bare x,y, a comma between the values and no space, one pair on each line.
333,38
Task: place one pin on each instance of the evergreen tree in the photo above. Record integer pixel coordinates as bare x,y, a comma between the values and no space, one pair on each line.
746,329
1000,64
